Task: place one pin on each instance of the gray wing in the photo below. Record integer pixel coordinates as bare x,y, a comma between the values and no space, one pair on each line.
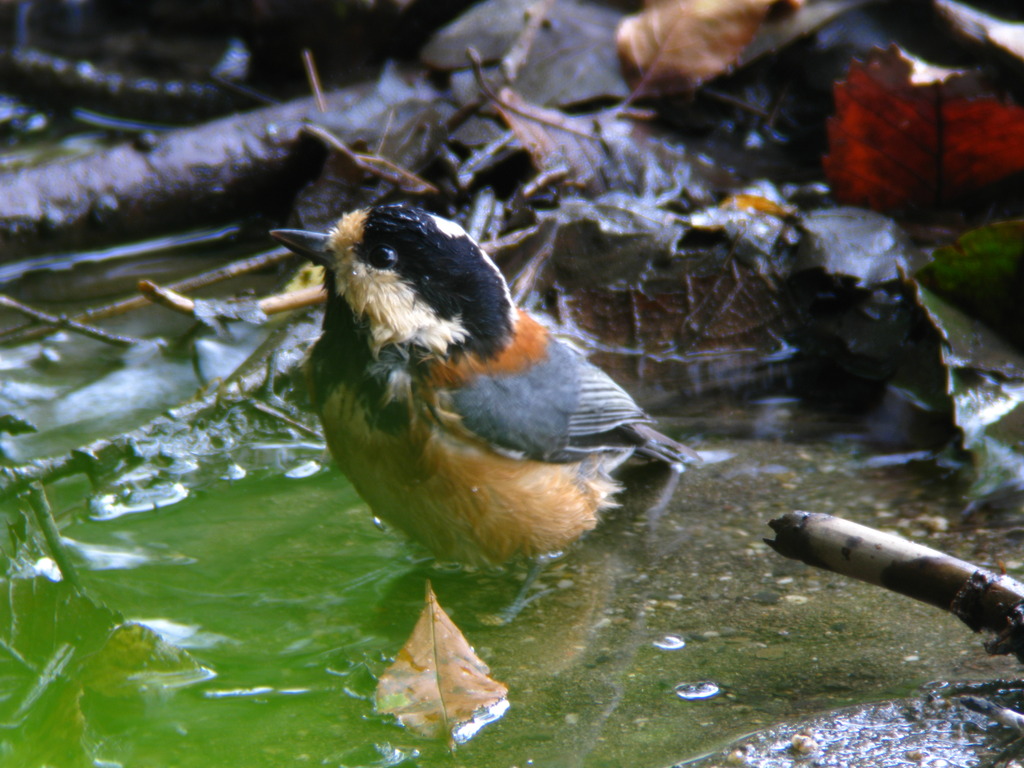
560,410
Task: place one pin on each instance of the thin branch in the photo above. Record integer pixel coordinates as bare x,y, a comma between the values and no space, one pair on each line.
166,297
255,263
520,50
285,302
44,519
383,169
270,410
55,321
269,305
314,79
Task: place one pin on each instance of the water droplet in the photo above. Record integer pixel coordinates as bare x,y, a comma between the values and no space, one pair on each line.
234,472
47,568
110,507
670,643
487,714
308,469
697,691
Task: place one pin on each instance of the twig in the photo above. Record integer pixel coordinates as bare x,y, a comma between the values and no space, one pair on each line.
270,410
166,297
548,178
44,519
733,101
54,321
285,302
520,50
1011,718
477,64
404,179
270,305
981,598
228,271
314,79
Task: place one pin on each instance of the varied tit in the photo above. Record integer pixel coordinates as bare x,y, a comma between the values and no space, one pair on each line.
458,417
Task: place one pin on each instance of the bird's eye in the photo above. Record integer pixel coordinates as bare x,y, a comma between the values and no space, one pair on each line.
383,257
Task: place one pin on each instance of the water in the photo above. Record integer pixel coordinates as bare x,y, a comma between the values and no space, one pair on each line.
290,601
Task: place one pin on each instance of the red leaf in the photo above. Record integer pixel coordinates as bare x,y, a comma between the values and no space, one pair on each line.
906,135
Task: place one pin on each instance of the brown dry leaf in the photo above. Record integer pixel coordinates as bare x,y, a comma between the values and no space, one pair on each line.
673,46
991,33
438,687
554,140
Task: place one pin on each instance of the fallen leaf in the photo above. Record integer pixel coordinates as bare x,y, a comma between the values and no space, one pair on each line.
979,273
851,244
602,151
438,686
555,141
15,425
983,378
673,46
1004,38
908,134
778,31
527,36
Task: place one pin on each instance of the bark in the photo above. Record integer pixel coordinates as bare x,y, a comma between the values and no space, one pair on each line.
981,598
236,166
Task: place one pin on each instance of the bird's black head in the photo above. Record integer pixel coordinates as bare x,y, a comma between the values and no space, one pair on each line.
415,277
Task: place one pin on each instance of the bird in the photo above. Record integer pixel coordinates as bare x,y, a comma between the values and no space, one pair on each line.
459,418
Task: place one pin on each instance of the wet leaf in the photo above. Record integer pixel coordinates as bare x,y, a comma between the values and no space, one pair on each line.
1004,38
56,646
673,46
15,425
908,134
212,312
758,224
490,28
985,382
779,31
621,276
575,33
982,274
737,311
555,141
135,659
438,685
599,152
855,243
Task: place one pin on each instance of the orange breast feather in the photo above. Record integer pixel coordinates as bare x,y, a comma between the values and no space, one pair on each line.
458,497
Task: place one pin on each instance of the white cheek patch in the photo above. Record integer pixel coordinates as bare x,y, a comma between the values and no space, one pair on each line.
396,314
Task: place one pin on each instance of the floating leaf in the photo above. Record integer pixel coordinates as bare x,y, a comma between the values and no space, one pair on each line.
908,134
438,686
57,645
15,425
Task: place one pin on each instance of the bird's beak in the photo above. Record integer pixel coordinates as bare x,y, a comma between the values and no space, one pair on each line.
311,245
